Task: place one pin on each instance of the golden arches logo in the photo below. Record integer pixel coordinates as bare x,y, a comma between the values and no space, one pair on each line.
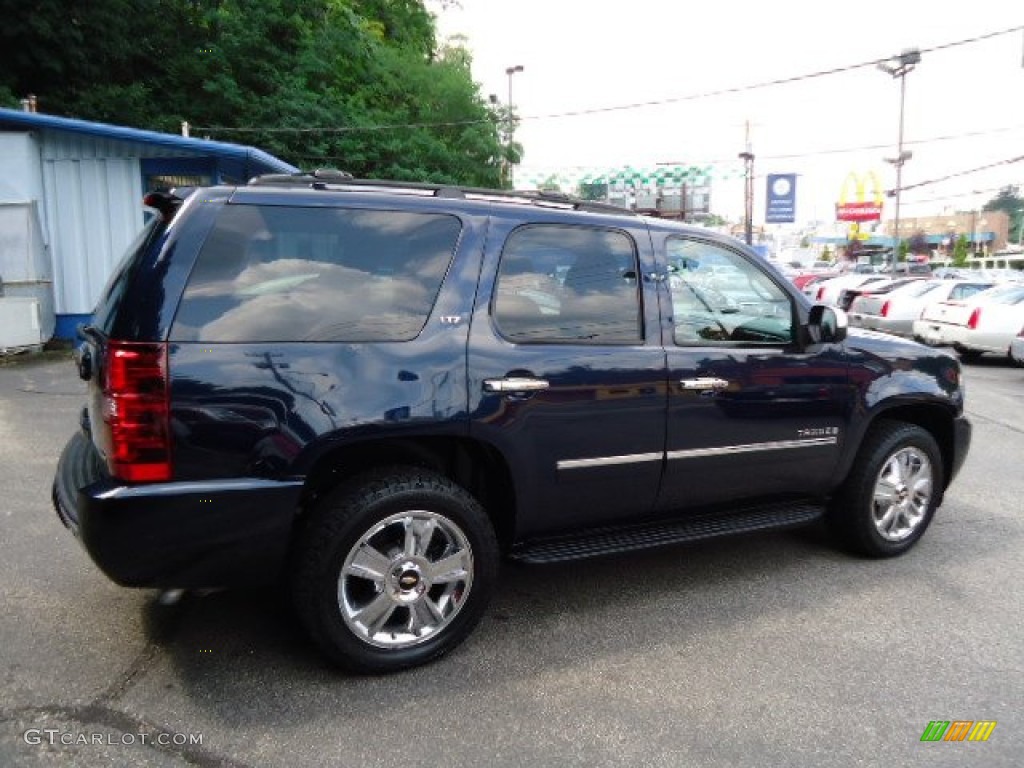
860,208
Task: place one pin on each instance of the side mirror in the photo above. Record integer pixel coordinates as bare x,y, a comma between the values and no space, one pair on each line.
827,325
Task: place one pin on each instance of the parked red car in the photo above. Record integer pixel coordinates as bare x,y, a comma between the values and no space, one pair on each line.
804,279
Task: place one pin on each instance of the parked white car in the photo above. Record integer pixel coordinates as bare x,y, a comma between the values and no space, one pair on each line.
896,311
873,287
827,291
987,322
1017,348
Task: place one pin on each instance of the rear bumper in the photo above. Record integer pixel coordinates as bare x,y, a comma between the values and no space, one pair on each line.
883,324
184,534
931,332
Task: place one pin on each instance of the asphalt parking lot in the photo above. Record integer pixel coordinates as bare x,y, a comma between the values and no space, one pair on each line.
770,651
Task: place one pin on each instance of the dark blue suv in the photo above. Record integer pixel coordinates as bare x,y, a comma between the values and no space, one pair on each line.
374,391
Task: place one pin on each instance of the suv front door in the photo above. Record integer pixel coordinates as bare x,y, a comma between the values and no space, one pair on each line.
567,370
751,412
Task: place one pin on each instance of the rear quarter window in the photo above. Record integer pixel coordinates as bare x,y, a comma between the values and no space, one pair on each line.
274,273
114,292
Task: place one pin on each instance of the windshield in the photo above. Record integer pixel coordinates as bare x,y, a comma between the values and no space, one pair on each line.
919,288
1001,294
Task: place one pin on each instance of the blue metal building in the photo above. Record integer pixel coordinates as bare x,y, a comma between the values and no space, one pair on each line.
71,202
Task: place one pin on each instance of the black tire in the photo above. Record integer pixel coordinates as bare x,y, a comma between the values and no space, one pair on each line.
969,355
856,517
403,590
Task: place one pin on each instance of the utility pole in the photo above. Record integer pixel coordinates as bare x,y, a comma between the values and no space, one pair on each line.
747,157
974,232
511,130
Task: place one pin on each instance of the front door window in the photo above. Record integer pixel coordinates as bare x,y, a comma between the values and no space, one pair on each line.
721,299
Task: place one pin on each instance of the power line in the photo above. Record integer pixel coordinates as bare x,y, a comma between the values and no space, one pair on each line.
914,142
960,196
862,148
958,174
771,83
619,107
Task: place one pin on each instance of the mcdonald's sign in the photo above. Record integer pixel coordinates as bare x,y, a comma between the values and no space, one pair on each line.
858,207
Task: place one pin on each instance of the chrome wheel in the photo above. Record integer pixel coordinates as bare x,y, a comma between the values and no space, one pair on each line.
902,494
405,579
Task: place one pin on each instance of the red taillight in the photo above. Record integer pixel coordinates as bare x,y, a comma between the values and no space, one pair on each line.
884,311
137,411
821,294
972,322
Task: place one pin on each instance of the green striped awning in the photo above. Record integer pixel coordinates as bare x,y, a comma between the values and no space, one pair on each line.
567,178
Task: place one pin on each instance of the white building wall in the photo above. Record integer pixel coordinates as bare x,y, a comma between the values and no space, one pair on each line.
20,177
25,263
93,202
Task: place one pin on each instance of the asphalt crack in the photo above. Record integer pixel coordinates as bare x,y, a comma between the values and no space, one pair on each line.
81,394
996,422
135,670
161,626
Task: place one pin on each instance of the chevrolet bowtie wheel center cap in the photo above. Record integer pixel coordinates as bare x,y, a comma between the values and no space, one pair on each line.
407,582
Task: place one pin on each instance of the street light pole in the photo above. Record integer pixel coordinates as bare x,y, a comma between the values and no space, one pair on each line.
899,66
900,159
510,129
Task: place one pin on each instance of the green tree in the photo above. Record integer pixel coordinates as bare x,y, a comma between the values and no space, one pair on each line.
550,184
595,190
960,250
918,243
356,84
1009,200
853,250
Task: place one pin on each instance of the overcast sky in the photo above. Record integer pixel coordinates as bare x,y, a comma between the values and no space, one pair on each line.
590,54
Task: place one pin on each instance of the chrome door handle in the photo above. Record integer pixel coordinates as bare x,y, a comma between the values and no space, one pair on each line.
513,384
704,383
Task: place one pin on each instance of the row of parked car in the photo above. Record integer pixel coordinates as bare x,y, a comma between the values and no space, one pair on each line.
974,312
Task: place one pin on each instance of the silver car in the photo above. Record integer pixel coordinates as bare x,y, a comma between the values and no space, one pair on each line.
985,323
896,311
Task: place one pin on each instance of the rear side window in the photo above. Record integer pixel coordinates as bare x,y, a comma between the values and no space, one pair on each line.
966,290
114,292
274,273
568,285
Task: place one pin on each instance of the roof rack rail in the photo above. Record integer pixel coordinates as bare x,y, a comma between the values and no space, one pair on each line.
333,179
313,178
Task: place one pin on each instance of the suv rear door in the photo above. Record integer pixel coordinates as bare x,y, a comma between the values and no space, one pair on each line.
566,368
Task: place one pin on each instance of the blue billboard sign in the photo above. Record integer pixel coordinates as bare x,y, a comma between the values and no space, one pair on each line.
781,199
